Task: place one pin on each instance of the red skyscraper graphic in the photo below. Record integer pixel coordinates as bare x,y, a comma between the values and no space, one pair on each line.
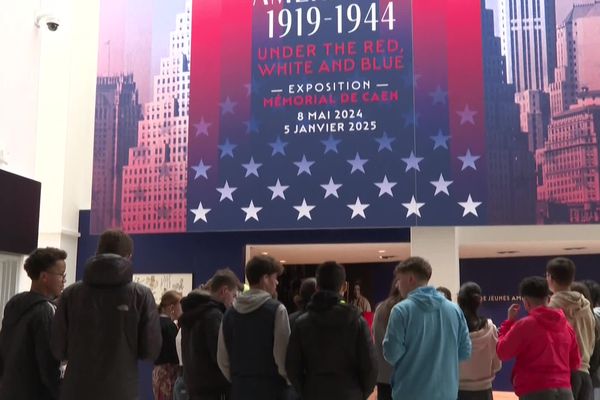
155,179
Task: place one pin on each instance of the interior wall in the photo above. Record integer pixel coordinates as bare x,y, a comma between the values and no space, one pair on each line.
19,80
47,111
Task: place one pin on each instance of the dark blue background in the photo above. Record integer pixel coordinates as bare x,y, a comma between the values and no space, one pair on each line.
501,276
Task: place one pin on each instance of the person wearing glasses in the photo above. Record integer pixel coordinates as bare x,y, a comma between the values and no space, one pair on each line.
28,371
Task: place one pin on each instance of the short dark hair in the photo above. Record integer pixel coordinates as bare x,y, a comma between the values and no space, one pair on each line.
307,289
534,287
115,241
561,270
417,266
259,266
43,259
580,287
445,291
224,277
331,276
594,291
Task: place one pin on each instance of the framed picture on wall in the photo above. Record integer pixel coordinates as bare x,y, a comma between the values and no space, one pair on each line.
160,283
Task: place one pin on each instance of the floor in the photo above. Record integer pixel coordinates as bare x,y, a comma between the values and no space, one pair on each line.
497,396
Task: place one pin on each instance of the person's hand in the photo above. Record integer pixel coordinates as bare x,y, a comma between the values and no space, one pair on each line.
513,311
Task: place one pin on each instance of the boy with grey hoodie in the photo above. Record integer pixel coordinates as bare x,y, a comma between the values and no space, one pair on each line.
254,336
560,274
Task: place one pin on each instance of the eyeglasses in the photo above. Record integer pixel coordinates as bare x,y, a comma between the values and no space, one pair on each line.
61,274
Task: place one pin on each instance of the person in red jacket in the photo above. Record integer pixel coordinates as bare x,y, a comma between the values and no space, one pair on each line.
543,343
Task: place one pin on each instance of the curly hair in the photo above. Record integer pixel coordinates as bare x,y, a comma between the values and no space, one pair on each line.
42,259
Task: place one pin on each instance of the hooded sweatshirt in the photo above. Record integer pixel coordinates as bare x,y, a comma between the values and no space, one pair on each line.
102,327
200,324
479,371
579,314
28,371
428,333
247,303
330,354
545,348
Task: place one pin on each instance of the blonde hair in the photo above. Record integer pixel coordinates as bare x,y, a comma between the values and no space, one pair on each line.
169,298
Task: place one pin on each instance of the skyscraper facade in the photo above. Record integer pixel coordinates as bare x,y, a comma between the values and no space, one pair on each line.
568,165
155,179
528,41
511,180
115,131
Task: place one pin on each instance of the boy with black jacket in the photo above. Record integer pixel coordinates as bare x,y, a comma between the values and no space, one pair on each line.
28,371
104,325
330,354
202,315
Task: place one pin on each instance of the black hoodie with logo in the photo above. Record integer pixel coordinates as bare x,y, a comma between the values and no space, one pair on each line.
200,324
330,355
102,327
28,371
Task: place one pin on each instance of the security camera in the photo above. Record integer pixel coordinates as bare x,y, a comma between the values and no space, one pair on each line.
50,20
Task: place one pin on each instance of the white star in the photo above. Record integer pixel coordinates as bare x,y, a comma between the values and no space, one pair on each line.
226,192
470,206
468,160
467,115
251,211
412,162
385,186
331,188
200,213
358,208
278,190
201,169
304,210
358,164
304,165
252,167
441,186
413,207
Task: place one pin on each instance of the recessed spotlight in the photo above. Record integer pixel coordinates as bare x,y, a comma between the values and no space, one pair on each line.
282,261
574,248
381,251
264,253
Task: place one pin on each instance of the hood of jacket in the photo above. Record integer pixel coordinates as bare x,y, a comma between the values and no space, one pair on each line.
427,298
108,270
551,319
574,304
251,300
19,305
480,339
326,309
195,304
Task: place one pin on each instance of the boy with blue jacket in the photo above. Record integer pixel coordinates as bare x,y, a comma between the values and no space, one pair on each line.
426,338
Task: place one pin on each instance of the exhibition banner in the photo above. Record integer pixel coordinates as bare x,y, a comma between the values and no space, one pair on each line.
220,115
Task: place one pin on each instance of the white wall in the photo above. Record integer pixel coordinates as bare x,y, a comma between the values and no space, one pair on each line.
19,76
48,106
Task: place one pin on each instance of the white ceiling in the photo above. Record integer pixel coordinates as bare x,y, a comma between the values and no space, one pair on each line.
473,242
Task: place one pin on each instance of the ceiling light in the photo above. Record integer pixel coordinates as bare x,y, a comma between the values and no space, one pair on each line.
282,261
264,253
381,251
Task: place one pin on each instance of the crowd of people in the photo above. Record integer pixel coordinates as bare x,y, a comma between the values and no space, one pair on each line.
221,342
